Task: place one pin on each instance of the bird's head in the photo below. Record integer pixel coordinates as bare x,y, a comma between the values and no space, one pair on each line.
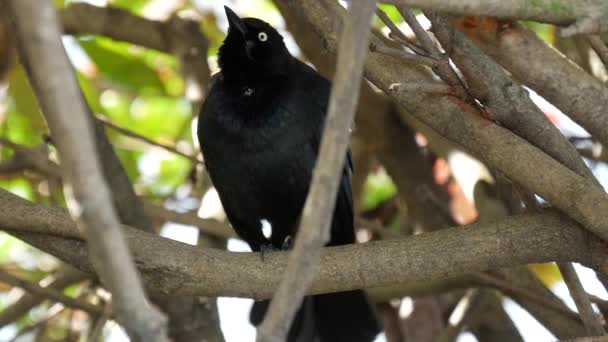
252,49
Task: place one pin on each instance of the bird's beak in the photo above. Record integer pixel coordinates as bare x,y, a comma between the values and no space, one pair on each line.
234,22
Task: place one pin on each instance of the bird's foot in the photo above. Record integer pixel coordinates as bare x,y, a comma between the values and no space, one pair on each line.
287,243
267,248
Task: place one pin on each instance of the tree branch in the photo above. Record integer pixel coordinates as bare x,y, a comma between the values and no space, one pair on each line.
169,266
134,135
49,293
507,101
59,95
463,123
314,228
586,16
531,61
581,299
63,278
511,106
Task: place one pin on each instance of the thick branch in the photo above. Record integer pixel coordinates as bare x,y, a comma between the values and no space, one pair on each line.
172,267
508,102
586,15
66,113
534,63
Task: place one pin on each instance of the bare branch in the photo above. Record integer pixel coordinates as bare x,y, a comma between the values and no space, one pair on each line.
600,48
66,113
398,35
408,56
463,123
531,61
172,267
132,134
65,277
49,293
314,228
507,101
586,16
590,319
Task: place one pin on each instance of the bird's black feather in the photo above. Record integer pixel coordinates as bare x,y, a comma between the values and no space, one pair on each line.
259,130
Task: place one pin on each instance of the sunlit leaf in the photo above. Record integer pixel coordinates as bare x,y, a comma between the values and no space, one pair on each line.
391,12
123,64
548,273
24,121
135,6
378,187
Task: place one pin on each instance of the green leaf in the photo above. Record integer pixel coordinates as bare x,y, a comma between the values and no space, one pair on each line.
123,64
378,187
135,6
391,12
24,121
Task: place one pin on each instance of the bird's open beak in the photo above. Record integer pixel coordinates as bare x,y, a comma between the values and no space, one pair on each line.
234,22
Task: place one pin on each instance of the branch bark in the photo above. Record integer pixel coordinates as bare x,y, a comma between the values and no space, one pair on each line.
57,90
169,266
511,106
532,62
586,16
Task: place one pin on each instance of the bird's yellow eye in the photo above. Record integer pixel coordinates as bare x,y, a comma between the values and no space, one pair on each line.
262,36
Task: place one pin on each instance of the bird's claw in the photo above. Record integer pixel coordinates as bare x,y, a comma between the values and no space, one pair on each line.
267,249
287,243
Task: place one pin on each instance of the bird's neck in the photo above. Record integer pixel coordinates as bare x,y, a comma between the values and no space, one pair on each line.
245,71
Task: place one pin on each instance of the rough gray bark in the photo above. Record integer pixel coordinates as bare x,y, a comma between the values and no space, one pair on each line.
57,90
585,16
173,267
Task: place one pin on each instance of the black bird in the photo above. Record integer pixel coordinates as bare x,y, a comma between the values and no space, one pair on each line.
259,131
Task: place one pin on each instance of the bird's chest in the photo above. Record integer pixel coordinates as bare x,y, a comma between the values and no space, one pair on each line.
259,151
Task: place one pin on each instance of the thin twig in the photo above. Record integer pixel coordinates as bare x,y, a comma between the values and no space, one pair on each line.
599,47
314,228
404,55
422,35
52,313
138,136
398,35
49,293
506,288
90,201
58,281
96,331
429,88
457,320
581,299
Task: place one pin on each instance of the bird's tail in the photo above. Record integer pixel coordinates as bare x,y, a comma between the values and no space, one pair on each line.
334,317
